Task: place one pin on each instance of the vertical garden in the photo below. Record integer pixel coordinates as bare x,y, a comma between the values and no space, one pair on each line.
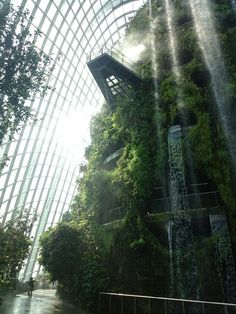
117,236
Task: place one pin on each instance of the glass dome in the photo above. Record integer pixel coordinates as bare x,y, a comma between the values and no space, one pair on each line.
44,157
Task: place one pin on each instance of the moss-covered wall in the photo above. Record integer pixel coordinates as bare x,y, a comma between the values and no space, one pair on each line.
140,124
205,140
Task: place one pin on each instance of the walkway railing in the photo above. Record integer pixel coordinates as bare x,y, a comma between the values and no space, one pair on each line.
116,303
115,53
114,214
194,201
113,156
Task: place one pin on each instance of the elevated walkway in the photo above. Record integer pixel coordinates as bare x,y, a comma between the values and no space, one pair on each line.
113,72
160,211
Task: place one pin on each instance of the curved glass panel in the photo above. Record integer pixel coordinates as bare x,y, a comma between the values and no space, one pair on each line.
45,157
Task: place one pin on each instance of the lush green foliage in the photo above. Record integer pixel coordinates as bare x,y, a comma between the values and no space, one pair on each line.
199,111
73,254
14,247
128,183
23,70
134,121
132,127
134,257
137,259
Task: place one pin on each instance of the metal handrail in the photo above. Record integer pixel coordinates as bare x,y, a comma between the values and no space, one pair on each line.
191,194
115,208
107,48
113,155
149,298
167,299
189,197
115,53
121,214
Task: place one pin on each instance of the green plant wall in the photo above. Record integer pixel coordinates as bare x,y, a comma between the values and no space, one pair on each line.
135,256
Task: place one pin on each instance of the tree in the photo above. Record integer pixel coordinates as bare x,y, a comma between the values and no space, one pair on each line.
23,70
72,253
14,247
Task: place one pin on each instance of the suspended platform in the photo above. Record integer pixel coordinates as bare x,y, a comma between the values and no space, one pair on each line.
113,72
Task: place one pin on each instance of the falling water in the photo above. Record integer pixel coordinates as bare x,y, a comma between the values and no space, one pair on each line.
192,177
233,4
225,261
173,50
210,46
180,229
169,232
152,27
172,38
154,54
177,74
176,166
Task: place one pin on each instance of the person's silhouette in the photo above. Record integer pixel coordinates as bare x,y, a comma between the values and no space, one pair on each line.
30,286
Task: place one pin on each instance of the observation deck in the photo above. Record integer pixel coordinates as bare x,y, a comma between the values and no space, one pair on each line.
114,73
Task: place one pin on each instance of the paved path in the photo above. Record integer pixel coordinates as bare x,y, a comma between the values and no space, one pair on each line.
42,302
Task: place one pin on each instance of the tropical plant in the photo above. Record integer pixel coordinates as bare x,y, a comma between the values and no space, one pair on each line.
72,253
23,70
14,247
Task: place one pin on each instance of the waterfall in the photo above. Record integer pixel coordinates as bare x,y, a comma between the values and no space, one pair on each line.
176,168
153,47
225,261
169,232
211,50
233,4
182,257
172,38
153,26
154,54
173,50
180,99
184,276
183,267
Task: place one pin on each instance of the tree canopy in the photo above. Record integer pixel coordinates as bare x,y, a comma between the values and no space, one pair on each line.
23,75
23,70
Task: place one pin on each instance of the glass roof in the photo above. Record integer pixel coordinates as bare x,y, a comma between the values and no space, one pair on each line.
45,157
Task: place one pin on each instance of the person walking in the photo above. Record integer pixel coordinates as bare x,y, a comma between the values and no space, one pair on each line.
30,286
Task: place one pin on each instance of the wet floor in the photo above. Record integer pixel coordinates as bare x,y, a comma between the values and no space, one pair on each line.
42,302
